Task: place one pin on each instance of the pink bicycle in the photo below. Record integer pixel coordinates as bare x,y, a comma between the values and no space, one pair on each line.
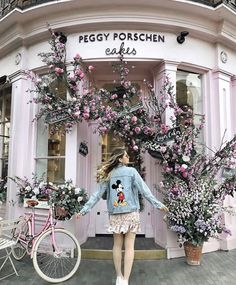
55,251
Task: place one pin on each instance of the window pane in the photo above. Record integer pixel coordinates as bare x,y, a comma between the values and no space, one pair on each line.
53,168
5,117
189,93
49,146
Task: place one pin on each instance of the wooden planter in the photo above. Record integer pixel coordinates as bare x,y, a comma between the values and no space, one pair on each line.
193,253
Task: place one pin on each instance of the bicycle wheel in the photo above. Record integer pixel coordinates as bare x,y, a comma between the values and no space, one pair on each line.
56,261
19,250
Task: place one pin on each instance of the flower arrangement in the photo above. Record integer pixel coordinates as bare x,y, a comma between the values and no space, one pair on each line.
192,188
67,198
113,110
60,112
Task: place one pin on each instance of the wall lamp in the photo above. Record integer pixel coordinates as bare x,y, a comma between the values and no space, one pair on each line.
181,37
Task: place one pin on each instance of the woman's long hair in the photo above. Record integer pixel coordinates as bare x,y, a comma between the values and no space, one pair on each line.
104,171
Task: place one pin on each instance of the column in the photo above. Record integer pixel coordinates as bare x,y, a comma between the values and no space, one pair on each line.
22,137
163,236
226,117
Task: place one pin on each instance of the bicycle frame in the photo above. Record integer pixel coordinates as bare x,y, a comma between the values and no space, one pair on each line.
32,235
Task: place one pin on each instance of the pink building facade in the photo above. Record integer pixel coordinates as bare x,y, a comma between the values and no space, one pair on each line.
201,65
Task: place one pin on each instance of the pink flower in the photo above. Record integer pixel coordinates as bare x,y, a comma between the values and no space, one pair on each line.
58,70
135,147
134,119
137,130
86,116
77,114
77,56
91,68
185,174
78,72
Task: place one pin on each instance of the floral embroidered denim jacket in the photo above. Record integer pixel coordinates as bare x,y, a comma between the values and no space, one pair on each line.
122,189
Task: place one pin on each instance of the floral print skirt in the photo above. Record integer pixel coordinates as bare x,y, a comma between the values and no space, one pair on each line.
124,223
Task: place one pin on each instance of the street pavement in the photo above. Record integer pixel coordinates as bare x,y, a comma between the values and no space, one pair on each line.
217,268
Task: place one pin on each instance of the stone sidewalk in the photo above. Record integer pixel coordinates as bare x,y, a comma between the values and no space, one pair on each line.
217,268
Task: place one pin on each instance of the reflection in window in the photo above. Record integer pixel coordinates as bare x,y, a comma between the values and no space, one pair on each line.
189,93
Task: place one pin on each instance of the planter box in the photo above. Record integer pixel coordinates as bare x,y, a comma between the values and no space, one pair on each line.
41,204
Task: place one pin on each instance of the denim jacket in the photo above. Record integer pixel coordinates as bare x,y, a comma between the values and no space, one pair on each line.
122,189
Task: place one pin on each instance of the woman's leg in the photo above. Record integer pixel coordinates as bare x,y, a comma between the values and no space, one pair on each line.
117,253
129,254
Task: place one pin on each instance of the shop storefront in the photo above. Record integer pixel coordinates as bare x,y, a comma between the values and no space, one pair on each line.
193,43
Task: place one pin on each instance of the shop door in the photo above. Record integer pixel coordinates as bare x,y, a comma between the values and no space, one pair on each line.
107,146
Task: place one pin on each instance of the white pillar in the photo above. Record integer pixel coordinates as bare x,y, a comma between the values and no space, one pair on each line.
22,134
163,236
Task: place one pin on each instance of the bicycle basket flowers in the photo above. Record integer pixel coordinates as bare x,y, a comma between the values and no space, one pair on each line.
36,188
68,200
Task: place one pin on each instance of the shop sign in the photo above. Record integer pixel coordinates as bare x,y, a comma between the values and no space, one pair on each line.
83,148
169,136
56,116
123,38
228,172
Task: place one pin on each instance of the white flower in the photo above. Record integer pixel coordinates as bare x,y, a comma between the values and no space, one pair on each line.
186,158
36,190
41,185
28,188
77,190
185,166
79,199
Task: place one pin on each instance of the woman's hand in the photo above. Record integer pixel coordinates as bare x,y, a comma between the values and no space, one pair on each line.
164,209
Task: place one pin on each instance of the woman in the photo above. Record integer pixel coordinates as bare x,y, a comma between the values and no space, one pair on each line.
122,185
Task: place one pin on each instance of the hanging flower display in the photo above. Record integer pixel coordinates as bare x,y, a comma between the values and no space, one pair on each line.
79,100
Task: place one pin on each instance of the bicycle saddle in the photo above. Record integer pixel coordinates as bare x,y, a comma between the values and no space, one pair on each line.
32,203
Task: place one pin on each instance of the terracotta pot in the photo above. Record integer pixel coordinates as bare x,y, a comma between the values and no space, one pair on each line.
193,253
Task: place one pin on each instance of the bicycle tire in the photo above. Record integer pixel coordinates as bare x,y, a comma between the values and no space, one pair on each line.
56,267
19,250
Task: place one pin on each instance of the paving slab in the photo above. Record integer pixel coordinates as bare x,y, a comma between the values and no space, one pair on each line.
217,268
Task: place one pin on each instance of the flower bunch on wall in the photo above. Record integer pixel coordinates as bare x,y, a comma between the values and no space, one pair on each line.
78,101
119,110
123,112
193,188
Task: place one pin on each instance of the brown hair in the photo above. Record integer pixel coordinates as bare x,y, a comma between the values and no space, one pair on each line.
103,172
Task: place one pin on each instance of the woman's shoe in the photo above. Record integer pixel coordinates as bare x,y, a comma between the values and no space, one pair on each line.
119,280
124,282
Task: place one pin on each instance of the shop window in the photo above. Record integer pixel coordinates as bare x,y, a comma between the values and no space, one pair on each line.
189,93
5,122
50,150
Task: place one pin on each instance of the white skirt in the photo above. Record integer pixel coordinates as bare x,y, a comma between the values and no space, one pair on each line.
124,223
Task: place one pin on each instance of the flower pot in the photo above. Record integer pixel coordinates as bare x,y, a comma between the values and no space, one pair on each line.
193,253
